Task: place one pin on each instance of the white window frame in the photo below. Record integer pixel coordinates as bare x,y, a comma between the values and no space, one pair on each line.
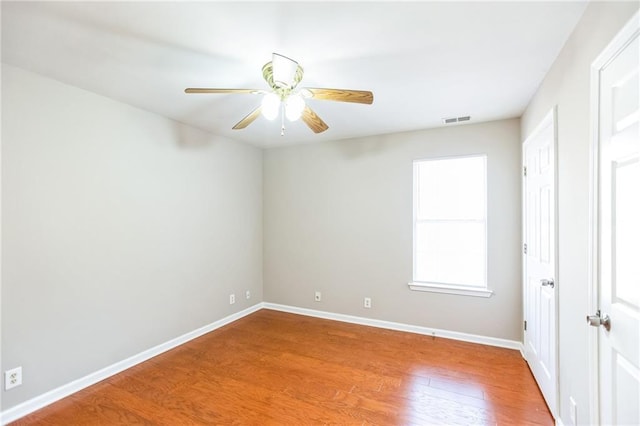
448,288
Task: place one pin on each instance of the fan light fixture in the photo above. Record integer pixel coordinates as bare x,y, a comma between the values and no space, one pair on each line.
283,75
272,103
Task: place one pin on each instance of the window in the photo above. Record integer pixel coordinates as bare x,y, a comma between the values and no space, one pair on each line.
450,225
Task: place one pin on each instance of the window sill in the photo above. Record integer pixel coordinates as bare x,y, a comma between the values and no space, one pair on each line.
451,289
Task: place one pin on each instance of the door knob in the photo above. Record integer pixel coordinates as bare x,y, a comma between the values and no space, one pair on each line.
547,283
598,320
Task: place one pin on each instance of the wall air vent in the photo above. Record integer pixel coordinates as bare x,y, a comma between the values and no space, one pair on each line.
452,120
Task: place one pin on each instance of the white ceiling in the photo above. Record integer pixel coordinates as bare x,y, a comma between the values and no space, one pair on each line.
422,60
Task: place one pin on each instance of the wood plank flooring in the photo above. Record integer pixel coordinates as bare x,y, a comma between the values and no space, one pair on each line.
274,368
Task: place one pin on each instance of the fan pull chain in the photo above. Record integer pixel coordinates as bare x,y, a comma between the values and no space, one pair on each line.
282,118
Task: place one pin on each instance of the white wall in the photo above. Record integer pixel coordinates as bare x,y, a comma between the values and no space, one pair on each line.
567,86
121,230
338,219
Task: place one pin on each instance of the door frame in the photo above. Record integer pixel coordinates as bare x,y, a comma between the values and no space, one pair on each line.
626,34
551,118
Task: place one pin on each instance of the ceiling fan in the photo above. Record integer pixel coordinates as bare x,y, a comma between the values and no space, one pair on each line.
285,98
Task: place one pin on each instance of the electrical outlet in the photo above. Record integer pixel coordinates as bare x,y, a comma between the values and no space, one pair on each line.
367,302
232,299
247,294
12,378
573,411
318,296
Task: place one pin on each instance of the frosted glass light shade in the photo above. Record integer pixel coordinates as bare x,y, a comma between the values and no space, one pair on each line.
294,107
284,70
270,106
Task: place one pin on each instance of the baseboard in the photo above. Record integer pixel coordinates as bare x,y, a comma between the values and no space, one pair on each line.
63,391
473,338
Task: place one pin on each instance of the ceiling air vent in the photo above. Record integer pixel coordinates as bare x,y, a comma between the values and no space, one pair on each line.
456,119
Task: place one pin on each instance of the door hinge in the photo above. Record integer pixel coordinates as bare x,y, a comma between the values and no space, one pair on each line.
525,325
525,248
524,170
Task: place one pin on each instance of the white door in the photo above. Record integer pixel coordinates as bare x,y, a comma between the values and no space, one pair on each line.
539,264
617,229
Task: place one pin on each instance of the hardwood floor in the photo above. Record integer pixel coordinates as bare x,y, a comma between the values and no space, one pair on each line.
277,368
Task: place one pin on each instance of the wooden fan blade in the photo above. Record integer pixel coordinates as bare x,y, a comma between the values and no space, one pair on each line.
207,90
342,95
250,118
312,120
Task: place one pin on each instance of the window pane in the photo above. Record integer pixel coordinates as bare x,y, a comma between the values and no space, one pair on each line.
451,188
451,253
